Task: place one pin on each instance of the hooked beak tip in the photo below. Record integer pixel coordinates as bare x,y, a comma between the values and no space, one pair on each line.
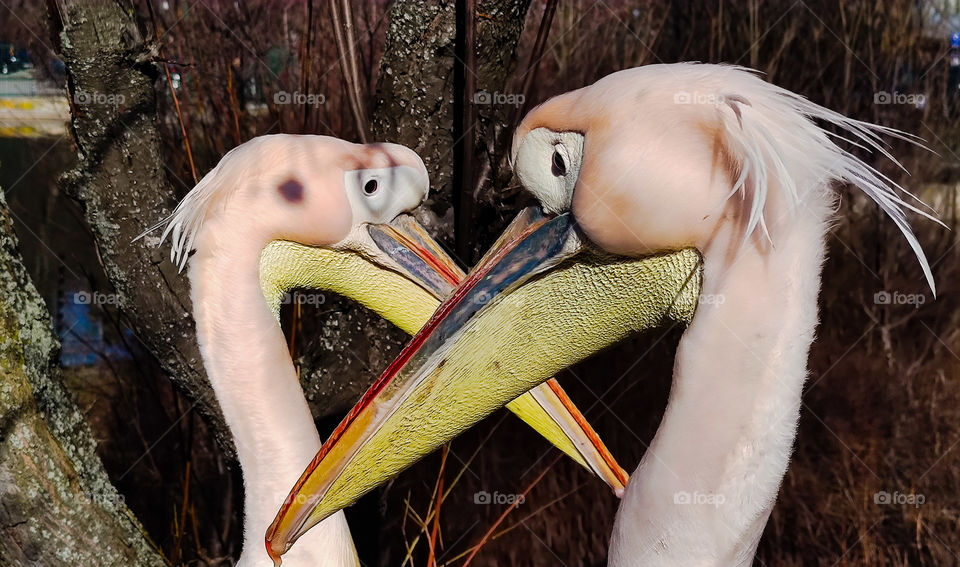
273,555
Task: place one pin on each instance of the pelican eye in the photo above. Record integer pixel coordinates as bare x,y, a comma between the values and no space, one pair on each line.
559,165
370,187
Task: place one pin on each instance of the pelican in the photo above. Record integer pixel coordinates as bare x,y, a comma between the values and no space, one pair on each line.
646,160
325,214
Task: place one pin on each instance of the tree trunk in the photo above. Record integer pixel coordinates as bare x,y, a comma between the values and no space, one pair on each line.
57,506
414,102
414,107
121,178
121,182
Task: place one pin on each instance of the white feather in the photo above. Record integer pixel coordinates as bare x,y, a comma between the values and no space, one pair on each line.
776,135
183,225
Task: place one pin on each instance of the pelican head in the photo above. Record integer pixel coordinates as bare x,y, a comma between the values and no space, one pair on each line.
317,191
643,178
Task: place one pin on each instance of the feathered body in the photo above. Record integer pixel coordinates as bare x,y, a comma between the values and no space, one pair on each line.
308,189
711,156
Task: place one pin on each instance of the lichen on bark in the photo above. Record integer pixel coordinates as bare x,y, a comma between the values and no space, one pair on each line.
57,505
120,179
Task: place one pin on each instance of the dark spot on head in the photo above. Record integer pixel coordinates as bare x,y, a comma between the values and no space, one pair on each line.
291,190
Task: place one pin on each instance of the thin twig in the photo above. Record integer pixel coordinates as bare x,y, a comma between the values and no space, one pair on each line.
533,65
438,492
182,524
173,93
346,49
465,116
305,63
519,522
486,537
449,489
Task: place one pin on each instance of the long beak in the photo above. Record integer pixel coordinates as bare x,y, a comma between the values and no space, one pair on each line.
537,303
407,294
546,408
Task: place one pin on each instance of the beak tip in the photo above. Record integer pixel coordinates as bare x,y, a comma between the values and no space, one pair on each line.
274,554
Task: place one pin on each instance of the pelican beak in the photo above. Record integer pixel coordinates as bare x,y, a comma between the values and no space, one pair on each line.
538,302
547,409
419,257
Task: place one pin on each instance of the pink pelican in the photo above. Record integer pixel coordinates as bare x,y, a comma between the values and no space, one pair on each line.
646,160
282,212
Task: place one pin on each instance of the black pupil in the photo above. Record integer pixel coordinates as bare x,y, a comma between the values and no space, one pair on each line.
559,167
370,187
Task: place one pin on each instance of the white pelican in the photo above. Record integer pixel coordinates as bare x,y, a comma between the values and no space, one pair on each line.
282,212
645,160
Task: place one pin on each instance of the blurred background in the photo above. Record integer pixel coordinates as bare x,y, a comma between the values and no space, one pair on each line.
875,475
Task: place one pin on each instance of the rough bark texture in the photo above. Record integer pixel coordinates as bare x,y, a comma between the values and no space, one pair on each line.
57,506
415,86
121,182
414,107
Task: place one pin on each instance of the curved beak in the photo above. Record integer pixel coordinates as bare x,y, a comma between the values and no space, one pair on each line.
405,247
546,408
538,302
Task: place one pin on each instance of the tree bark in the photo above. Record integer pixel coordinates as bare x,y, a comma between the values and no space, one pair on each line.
414,104
121,181
57,505
414,107
122,184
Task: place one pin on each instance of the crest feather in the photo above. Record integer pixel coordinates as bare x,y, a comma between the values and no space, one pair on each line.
774,135
183,225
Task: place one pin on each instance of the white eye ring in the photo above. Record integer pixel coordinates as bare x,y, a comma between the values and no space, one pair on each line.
371,187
